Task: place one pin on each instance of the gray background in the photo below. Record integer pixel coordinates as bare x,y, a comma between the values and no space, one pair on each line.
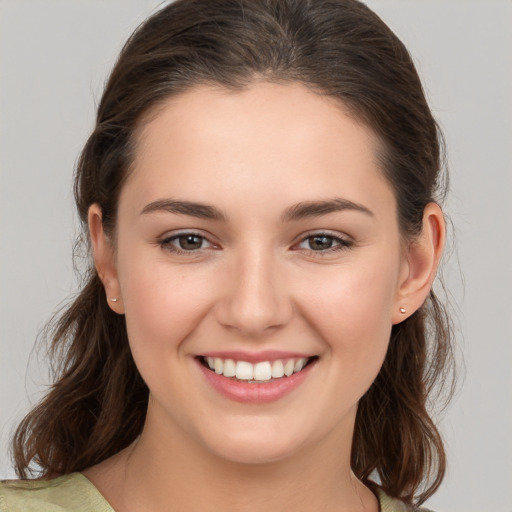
54,56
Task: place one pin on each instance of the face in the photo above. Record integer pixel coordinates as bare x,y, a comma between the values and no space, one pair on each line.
257,236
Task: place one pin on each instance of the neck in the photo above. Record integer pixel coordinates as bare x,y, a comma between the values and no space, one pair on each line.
180,473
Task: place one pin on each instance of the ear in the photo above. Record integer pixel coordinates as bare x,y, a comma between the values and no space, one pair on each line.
104,259
421,262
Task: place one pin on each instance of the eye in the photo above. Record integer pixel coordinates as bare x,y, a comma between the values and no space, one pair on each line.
323,243
185,242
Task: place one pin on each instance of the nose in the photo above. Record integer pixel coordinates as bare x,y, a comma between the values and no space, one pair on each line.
256,301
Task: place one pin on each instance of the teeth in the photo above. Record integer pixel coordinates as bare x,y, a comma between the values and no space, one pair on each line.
219,366
288,367
244,370
229,368
277,369
262,371
299,364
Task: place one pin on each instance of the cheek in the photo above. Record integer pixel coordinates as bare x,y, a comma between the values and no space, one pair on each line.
359,298
353,314
162,304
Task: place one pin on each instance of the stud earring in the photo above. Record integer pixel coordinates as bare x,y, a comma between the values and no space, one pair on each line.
114,300
403,311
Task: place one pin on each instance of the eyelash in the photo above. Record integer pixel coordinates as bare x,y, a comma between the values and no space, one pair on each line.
341,244
167,243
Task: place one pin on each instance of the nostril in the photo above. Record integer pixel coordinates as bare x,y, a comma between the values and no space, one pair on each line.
254,321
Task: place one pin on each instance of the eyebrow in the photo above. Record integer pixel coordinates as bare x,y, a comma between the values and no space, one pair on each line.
296,212
318,208
200,210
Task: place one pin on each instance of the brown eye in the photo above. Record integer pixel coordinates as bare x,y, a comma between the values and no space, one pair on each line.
320,242
190,242
323,243
185,242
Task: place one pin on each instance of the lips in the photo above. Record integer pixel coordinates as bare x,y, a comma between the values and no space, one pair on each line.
267,378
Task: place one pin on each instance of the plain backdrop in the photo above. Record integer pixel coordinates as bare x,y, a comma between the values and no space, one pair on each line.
54,57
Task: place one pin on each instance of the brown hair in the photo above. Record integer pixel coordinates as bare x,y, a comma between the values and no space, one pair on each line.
338,48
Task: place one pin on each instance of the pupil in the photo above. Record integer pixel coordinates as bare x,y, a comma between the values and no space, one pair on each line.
319,243
190,242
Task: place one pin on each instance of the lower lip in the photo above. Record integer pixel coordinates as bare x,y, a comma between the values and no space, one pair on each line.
251,392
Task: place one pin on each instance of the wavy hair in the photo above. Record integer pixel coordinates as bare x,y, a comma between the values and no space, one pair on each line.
338,48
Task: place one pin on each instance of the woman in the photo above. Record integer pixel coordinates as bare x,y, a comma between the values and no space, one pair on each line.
258,328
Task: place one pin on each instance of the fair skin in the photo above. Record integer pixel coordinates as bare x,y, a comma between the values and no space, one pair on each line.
290,250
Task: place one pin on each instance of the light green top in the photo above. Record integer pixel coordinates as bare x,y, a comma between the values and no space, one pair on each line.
75,493
68,493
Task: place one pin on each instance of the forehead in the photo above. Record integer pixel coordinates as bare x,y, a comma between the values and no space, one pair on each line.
267,139
255,110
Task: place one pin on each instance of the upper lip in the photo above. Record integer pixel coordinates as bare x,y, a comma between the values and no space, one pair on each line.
256,357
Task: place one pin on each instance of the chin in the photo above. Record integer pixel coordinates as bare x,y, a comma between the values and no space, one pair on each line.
253,446
254,454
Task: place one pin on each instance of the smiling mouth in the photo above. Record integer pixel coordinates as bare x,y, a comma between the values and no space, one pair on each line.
258,373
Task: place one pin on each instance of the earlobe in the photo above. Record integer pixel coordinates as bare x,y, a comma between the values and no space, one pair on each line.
422,260
104,259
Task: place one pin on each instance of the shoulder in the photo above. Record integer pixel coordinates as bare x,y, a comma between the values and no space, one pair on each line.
388,504
68,493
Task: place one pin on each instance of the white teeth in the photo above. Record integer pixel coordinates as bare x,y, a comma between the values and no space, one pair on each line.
229,368
219,365
244,370
299,364
288,367
262,371
277,369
